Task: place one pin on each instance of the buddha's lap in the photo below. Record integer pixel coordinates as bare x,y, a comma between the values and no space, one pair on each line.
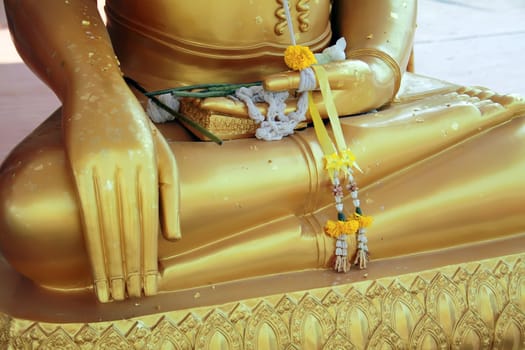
41,228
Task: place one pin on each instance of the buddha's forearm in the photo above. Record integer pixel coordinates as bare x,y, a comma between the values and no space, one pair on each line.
64,42
384,26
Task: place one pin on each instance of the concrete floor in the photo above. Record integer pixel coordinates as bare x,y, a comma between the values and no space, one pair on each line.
473,42
469,42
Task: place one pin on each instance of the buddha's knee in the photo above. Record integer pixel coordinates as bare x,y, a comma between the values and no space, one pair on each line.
40,232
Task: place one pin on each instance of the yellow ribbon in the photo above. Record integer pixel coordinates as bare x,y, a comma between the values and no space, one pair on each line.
328,99
320,130
335,159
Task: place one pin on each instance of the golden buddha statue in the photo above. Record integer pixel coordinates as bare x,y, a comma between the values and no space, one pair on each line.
99,199
99,196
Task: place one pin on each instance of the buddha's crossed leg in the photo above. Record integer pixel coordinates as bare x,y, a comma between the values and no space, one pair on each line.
435,176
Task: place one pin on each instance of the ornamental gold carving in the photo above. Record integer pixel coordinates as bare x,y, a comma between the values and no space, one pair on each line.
479,303
303,14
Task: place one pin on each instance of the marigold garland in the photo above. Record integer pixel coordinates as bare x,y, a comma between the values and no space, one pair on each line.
338,161
364,221
336,228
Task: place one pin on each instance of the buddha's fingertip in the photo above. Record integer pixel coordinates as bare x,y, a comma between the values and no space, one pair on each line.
172,233
102,291
118,289
150,284
134,286
173,237
171,226
281,82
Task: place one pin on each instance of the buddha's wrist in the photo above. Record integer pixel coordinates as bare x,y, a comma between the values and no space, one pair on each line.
386,71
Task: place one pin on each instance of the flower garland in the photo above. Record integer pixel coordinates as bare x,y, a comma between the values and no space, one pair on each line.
338,162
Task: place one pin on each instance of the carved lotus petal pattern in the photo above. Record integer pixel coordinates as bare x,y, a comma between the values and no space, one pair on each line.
477,305
312,316
487,296
445,302
401,310
5,325
517,284
138,335
218,332
385,337
471,329
112,339
357,318
428,334
266,323
166,334
31,338
338,342
59,339
86,336
510,329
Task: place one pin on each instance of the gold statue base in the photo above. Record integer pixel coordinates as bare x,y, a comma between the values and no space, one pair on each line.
461,298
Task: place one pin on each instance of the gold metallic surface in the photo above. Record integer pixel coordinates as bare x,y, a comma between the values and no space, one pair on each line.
462,306
98,198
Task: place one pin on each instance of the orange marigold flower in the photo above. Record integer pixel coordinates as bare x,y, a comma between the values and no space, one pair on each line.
299,57
337,228
332,228
364,221
350,226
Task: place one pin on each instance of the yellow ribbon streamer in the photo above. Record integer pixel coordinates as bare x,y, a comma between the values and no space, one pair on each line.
324,85
320,130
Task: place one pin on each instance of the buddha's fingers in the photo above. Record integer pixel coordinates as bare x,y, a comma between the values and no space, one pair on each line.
148,206
86,184
168,188
131,229
105,184
282,81
342,75
228,106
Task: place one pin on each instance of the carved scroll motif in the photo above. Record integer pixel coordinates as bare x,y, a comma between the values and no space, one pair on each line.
303,16
303,10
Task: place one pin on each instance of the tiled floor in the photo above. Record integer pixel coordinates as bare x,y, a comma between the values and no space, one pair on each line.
469,42
473,42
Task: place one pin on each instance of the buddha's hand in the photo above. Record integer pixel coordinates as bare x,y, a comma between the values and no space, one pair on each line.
354,83
122,166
